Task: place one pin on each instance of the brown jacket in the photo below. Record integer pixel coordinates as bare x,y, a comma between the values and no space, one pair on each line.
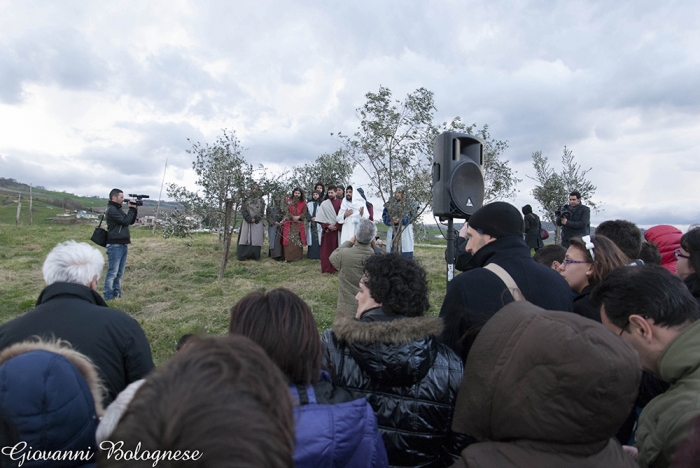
546,389
349,259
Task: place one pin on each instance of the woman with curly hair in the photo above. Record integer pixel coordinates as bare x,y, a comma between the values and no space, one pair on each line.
389,353
588,260
688,265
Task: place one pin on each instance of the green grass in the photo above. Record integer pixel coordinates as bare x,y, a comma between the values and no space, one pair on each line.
172,289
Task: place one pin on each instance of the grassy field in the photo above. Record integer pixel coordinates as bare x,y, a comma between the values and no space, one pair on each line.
172,289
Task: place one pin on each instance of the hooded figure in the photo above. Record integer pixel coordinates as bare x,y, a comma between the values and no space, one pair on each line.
52,396
546,389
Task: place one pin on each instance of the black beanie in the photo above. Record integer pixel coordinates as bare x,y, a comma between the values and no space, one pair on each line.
497,219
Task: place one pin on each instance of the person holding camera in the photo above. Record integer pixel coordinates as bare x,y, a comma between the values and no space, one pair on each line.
574,219
118,238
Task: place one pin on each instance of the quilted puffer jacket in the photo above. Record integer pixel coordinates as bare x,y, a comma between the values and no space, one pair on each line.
546,389
409,378
51,395
667,239
334,429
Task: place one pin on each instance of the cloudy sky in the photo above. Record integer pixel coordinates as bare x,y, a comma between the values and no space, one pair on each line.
98,94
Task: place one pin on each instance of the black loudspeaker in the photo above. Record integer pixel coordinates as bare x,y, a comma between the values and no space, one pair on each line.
458,177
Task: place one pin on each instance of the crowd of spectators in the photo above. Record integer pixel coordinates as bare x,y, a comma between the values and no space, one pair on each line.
581,356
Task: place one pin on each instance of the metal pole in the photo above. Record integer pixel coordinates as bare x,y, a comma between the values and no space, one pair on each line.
19,207
155,220
450,250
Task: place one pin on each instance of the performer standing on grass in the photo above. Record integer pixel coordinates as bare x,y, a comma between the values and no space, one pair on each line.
313,232
275,217
293,231
352,209
326,216
252,235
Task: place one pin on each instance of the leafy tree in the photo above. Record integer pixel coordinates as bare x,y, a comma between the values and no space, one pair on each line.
327,169
394,147
553,188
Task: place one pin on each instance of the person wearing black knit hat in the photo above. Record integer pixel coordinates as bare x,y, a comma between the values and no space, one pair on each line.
500,271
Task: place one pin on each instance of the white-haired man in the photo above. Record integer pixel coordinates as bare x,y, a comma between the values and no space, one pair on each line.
69,308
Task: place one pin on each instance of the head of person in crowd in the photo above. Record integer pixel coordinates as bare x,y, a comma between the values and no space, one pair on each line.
283,325
521,383
362,193
184,339
73,262
399,194
667,239
51,394
650,254
551,255
366,232
319,187
348,193
297,194
222,401
688,259
647,306
395,283
492,222
339,191
317,196
330,192
527,209
575,198
590,259
625,234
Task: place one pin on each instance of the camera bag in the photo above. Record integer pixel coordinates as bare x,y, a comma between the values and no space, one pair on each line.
99,236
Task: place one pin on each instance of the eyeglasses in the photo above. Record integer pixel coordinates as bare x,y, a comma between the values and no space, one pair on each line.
569,262
677,253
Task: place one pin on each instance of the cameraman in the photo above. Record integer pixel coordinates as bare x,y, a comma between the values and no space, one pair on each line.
117,239
574,218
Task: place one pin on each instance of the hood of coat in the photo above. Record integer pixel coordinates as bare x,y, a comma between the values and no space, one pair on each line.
52,395
71,290
398,352
504,248
682,356
546,376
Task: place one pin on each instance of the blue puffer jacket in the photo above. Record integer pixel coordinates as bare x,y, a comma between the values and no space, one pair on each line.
49,402
334,429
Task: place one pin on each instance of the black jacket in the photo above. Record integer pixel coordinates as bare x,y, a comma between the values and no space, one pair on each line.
118,223
113,340
533,238
578,224
475,295
410,380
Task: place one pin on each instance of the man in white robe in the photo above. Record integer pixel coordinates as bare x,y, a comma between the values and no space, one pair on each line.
351,211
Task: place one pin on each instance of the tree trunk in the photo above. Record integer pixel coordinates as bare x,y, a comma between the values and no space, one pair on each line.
227,238
30,205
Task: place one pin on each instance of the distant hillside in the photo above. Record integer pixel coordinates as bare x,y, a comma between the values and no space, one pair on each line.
72,202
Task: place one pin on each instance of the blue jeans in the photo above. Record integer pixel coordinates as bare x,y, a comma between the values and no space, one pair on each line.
116,258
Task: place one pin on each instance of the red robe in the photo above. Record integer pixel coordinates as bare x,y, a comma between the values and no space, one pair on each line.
296,208
329,241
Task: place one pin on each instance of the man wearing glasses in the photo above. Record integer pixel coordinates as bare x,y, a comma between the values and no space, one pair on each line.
654,312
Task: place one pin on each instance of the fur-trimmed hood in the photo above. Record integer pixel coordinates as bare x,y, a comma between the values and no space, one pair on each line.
397,352
63,348
401,330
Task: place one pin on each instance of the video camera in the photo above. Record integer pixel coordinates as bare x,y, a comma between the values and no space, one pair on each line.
139,199
565,212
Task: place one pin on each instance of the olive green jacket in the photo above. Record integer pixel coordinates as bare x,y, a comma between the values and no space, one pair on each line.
666,420
349,259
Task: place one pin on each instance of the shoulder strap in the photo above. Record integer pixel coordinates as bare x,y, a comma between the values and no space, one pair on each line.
305,395
507,280
101,219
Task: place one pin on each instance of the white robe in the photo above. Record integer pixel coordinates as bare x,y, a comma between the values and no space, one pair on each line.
406,238
350,223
